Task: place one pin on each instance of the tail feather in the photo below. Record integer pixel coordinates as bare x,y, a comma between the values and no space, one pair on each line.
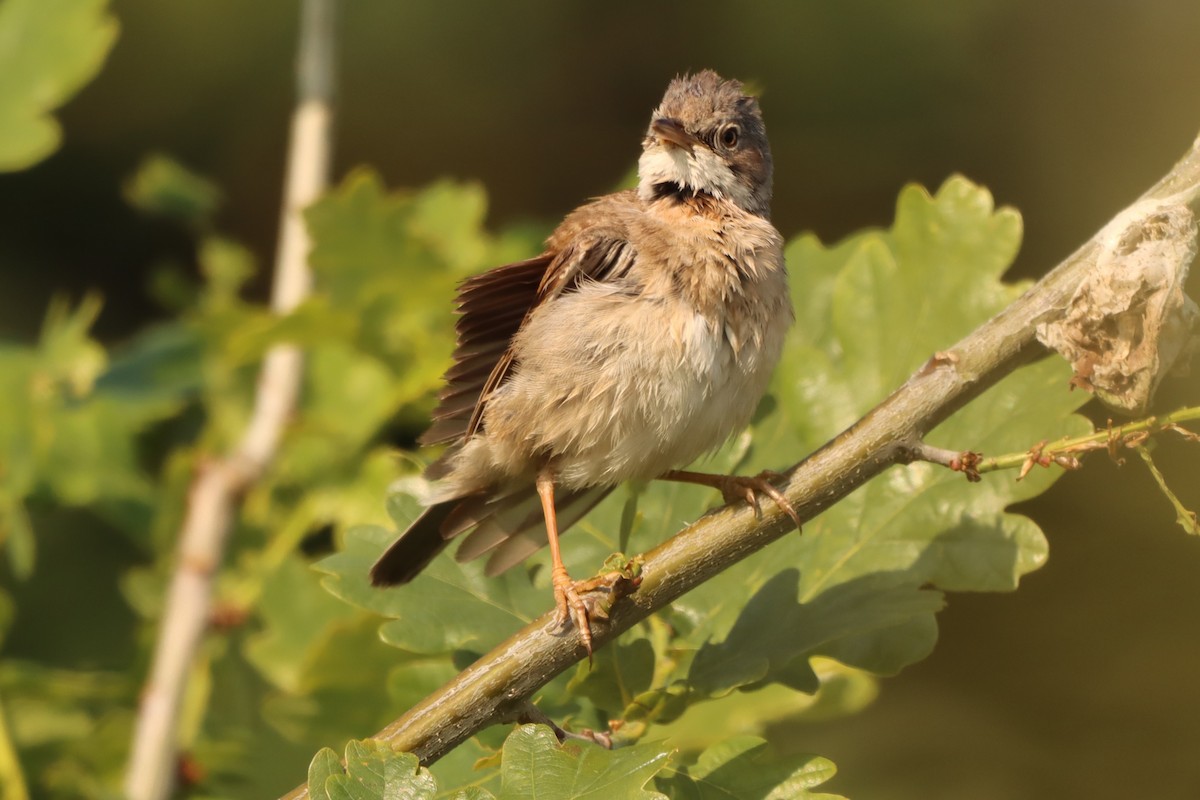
509,527
500,519
519,545
415,548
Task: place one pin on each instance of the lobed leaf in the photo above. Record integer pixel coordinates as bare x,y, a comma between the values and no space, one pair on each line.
536,765
49,50
373,771
741,767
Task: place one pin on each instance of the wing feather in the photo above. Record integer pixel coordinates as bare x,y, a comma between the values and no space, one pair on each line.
493,306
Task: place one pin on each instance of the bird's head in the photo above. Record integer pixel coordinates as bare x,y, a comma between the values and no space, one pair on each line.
707,137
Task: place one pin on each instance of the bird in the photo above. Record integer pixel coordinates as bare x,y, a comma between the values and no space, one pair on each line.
642,337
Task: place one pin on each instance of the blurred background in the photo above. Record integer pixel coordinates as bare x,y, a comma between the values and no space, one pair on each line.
1081,684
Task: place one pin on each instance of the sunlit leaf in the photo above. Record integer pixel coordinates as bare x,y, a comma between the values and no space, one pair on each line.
295,611
536,765
49,50
373,772
448,607
743,768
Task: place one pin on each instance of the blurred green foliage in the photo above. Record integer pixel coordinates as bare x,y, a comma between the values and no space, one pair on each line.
119,433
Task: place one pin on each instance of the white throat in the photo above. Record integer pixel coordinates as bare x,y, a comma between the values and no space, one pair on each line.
699,170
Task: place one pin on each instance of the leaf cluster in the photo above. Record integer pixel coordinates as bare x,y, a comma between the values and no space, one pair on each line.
535,764
801,628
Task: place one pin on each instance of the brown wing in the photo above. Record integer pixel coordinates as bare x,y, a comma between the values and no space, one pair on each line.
493,307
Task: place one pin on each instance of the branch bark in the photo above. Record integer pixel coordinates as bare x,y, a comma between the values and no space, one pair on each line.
496,686
212,499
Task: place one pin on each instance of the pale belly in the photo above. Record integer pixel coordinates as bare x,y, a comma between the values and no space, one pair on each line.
611,388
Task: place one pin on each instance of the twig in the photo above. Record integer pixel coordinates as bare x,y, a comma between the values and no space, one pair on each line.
1066,452
964,461
501,681
529,713
218,483
1185,518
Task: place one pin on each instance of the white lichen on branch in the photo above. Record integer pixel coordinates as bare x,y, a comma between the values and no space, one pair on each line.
1129,322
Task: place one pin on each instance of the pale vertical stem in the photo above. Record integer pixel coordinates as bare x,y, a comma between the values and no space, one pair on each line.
212,499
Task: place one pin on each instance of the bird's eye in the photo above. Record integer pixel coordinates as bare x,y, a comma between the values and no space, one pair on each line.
729,136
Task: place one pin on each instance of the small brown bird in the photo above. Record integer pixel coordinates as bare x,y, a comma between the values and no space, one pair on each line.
641,338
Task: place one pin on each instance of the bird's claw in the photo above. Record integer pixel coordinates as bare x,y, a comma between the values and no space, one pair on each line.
738,487
569,605
582,601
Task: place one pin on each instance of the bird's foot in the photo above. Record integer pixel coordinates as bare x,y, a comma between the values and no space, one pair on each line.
582,601
529,713
738,487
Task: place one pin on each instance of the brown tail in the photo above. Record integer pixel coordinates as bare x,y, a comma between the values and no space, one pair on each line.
415,548
507,527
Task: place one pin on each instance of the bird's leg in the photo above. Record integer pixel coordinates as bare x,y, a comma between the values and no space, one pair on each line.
737,487
566,592
529,713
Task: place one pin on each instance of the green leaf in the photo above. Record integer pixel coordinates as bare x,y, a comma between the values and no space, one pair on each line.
61,432
617,675
447,218
226,266
373,771
49,50
876,619
536,765
68,358
295,612
16,533
71,728
325,764
343,688
473,793
935,275
326,660
157,372
93,455
163,186
448,607
392,259
843,691
348,396
742,768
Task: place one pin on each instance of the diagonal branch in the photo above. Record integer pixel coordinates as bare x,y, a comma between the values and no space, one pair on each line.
212,499
497,685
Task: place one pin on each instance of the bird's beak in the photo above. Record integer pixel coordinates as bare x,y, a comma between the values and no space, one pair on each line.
670,132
